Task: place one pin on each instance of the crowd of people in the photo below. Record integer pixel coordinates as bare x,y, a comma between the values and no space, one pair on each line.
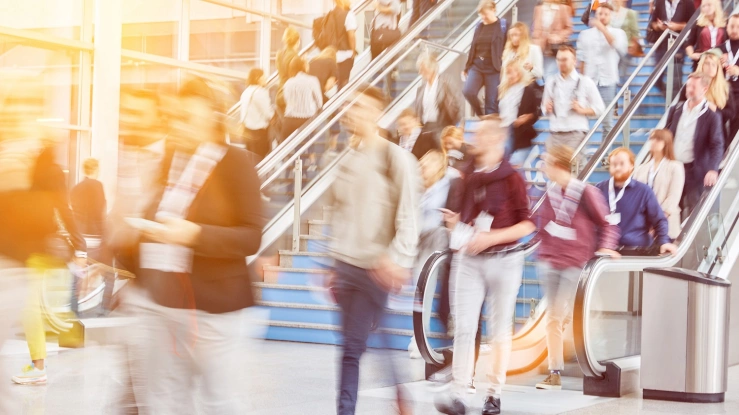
187,207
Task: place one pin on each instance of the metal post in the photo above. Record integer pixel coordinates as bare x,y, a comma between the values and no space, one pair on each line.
627,127
670,74
514,15
297,192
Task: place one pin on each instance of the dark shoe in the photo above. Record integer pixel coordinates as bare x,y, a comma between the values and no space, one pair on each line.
452,407
492,406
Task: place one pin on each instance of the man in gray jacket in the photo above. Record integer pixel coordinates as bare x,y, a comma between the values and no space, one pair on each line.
437,105
376,228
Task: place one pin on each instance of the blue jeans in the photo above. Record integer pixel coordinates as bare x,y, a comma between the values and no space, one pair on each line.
475,81
607,93
362,304
550,67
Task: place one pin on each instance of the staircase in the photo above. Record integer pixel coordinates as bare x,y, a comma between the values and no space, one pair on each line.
303,310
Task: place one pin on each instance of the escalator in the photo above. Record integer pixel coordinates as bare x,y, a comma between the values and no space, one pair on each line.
529,348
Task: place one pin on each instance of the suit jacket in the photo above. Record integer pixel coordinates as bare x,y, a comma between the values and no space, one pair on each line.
561,26
449,102
88,206
668,187
228,209
426,142
496,47
525,134
684,11
709,141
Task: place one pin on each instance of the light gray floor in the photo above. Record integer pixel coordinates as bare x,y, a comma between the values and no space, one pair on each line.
295,378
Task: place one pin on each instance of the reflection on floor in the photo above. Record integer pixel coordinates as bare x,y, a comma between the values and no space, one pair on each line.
294,378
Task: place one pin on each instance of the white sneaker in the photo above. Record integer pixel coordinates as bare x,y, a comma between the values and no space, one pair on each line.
471,388
30,376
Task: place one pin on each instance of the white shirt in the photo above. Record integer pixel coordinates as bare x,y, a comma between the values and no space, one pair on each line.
618,18
256,108
408,141
535,58
389,21
510,103
303,96
562,92
430,106
548,11
601,58
349,24
685,134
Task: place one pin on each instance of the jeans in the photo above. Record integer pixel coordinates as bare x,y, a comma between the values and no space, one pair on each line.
495,279
607,93
345,71
362,303
550,67
475,81
559,287
570,139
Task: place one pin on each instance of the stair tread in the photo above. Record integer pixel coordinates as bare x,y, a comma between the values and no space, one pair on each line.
289,269
303,253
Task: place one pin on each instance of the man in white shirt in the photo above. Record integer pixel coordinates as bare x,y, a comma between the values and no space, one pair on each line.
699,140
569,99
599,50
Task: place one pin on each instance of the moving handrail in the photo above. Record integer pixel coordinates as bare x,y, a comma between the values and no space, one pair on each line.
596,268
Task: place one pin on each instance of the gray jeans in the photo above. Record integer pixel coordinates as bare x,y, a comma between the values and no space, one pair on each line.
570,139
560,286
495,279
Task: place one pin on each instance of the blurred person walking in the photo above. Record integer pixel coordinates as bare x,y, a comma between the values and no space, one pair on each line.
484,60
376,228
192,265
574,227
412,136
385,26
303,98
289,52
627,20
256,113
437,105
324,68
519,47
672,15
34,205
519,111
453,144
89,206
730,63
666,177
484,266
709,31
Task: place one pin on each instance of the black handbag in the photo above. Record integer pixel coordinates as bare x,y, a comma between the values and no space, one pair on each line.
383,37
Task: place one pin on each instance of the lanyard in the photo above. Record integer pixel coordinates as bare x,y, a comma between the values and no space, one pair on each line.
690,120
732,57
612,198
714,35
652,175
670,9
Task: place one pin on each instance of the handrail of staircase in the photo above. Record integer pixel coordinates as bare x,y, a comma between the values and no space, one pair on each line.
599,266
261,13
272,80
640,96
274,160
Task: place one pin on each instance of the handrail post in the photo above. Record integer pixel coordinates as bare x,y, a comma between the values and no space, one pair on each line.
514,14
670,74
297,192
627,127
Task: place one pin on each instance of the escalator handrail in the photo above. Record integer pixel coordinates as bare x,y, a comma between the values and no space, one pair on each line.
272,80
598,266
275,159
640,96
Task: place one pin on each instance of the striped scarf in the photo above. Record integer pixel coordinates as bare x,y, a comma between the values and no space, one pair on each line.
566,206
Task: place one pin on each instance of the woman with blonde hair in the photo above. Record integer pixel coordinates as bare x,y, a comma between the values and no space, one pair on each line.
519,106
665,175
290,45
709,31
518,47
718,95
452,142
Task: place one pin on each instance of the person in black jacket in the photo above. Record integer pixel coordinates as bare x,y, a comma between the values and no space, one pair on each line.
412,137
699,140
484,60
520,99
437,104
675,18
88,201
192,264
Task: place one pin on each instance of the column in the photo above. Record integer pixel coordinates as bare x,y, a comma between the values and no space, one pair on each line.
265,36
106,82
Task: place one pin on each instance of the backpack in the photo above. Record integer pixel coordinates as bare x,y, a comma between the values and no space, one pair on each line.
329,30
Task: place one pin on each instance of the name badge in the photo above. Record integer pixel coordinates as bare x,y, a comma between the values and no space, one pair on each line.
561,232
614,218
483,222
165,257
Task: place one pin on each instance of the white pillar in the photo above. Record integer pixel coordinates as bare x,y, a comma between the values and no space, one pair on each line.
106,83
265,36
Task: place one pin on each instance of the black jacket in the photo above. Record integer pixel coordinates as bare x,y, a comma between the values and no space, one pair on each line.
88,206
426,142
496,47
449,102
229,210
709,141
525,134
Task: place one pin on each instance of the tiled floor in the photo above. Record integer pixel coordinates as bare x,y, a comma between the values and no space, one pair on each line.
293,378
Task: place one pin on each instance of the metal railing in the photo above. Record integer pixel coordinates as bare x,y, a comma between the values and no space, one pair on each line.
268,15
